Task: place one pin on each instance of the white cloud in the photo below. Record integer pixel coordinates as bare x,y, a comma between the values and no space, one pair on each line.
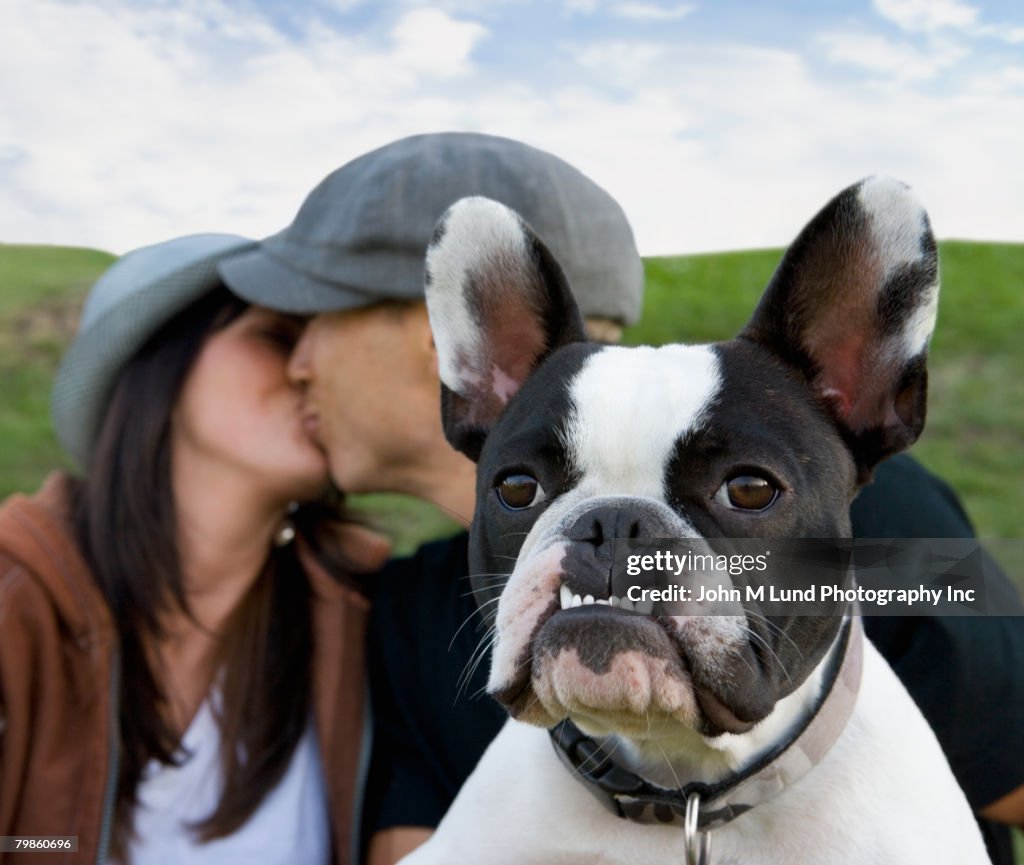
931,17
122,125
629,64
927,15
899,60
583,7
739,146
652,12
431,41
128,124
1010,35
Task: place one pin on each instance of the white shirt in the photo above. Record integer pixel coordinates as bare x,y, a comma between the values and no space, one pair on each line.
289,827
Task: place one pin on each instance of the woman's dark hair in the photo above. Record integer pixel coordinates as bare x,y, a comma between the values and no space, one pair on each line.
125,520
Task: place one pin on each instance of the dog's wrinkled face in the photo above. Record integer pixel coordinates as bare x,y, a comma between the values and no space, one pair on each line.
766,436
581,458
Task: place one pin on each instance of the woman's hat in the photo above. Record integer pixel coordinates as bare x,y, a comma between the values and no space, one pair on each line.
130,302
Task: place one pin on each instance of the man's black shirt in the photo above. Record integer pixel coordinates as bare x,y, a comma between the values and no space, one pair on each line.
428,664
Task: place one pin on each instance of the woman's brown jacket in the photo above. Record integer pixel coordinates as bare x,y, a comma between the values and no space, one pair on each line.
59,687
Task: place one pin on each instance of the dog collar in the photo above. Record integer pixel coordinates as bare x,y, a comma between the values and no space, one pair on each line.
628,795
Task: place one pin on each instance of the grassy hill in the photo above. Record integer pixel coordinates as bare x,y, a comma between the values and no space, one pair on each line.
41,290
975,432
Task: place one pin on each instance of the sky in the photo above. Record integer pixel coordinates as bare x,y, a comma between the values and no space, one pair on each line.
717,125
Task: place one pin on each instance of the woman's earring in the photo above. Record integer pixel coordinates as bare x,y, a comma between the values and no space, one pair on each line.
286,534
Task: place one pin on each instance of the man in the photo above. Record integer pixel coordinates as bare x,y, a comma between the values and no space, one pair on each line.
354,255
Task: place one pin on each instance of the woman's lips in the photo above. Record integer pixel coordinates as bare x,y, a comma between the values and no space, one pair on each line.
311,425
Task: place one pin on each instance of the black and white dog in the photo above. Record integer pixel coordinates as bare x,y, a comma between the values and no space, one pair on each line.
780,740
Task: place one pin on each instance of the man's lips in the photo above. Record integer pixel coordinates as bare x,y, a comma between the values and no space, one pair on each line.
310,421
311,424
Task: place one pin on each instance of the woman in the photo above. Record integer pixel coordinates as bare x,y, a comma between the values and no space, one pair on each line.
180,678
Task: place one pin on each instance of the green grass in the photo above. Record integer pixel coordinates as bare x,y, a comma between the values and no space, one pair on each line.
974,437
41,289
407,522
32,275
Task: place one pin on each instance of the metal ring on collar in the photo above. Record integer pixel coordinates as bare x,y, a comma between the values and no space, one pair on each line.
698,843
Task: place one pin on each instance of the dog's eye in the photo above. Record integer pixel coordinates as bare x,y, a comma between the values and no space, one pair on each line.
747,493
520,491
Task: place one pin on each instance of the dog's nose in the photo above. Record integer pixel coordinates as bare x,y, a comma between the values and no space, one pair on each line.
607,523
596,546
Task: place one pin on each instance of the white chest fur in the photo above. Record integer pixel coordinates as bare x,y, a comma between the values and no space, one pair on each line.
883,794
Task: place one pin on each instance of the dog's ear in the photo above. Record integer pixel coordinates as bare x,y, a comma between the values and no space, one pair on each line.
499,304
853,305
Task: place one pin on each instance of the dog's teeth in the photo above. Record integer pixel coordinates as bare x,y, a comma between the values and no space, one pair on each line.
645,607
577,601
602,601
613,601
565,597
589,599
626,604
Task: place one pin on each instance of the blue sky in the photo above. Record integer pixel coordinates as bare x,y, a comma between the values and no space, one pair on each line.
718,125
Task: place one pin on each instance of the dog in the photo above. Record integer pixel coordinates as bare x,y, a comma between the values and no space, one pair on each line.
718,733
